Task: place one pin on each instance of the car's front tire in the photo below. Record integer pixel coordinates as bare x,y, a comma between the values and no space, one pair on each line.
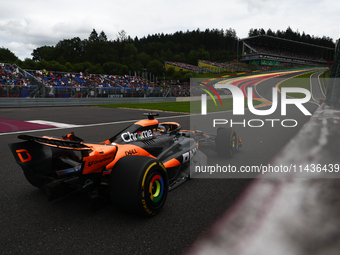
226,142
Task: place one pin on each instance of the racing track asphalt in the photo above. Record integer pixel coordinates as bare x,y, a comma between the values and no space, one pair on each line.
30,224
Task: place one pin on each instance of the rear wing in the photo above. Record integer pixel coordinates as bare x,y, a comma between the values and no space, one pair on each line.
56,143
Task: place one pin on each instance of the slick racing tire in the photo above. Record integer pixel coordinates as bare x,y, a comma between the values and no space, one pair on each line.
139,185
226,142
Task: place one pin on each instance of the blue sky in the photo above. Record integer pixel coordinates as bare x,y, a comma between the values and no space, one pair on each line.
26,25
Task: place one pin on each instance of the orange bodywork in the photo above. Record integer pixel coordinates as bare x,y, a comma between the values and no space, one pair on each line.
127,150
172,163
100,156
145,123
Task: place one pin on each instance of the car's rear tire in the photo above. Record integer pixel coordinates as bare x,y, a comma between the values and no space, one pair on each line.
226,142
139,185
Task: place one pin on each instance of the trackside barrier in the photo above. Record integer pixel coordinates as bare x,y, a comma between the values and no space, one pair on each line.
44,102
289,215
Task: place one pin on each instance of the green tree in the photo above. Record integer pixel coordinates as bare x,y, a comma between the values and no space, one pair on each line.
6,56
130,57
71,50
123,70
194,56
122,36
44,52
144,58
155,67
170,71
55,66
69,67
96,69
102,37
29,64
130,50
180,57
111,67
81,67
93,36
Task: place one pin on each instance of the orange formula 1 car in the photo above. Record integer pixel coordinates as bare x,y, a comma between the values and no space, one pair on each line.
135,169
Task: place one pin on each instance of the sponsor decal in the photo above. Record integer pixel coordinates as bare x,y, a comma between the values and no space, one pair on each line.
22,152
131,152
94,162
145,207
189,155
140,135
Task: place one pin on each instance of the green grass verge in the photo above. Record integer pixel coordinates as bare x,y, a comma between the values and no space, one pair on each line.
163,106
301,81
186,107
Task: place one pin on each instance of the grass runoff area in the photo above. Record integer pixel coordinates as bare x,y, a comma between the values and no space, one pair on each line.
300,81
183,107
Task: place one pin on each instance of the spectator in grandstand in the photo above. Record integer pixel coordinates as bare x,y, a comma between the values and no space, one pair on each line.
9,75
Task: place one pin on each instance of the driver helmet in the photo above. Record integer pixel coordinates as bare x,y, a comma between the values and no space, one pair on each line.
161,130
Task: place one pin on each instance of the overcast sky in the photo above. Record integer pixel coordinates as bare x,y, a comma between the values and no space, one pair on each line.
27,25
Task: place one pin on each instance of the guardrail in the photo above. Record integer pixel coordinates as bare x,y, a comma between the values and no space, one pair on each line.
16,91
43,102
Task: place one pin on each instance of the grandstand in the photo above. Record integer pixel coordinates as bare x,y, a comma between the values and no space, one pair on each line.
183,67
264,50
204,66
16,82
215,67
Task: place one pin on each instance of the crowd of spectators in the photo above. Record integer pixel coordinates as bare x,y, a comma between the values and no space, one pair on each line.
14,83
223,65
85,80
10,75
188,67
83,84
202,69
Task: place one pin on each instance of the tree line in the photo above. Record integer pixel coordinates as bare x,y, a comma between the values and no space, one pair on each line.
125,55
294,36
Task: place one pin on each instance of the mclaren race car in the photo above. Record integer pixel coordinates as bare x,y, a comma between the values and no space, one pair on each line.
135,169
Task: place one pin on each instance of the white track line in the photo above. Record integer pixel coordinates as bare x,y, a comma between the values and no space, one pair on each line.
52,123
66,126
102,124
